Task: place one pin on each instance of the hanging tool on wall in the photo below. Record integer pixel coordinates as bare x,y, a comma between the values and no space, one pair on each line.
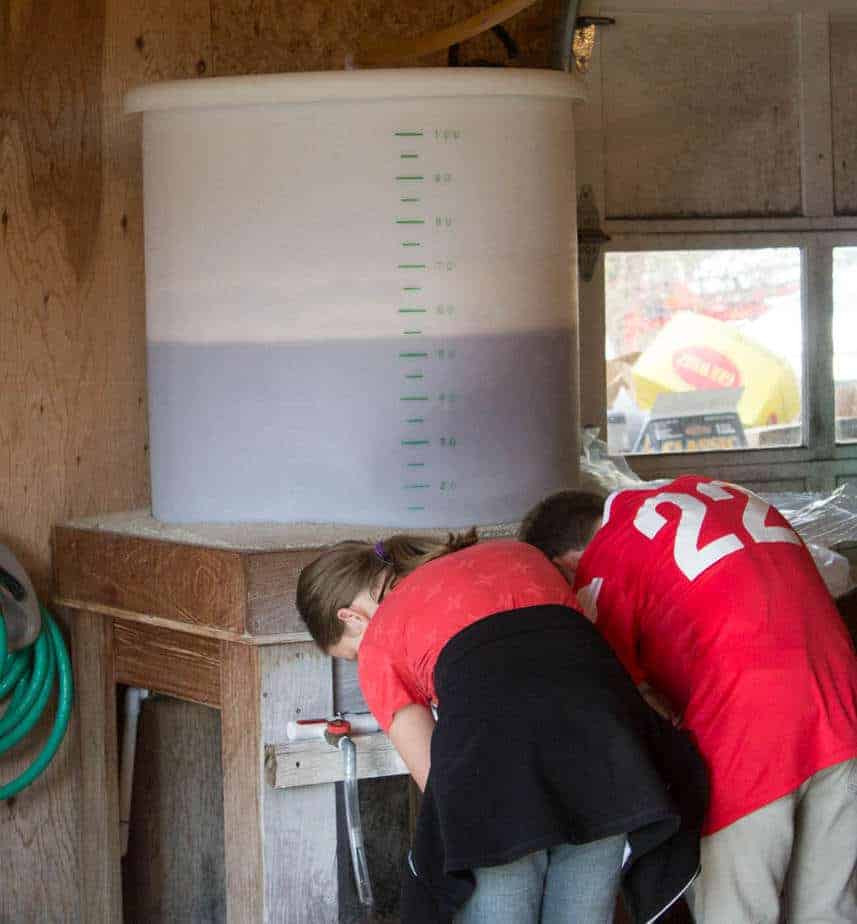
33,656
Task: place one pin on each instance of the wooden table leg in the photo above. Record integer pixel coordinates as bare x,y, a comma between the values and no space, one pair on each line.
280,844
95,693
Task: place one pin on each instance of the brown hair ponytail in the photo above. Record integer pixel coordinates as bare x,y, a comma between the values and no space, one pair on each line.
332,581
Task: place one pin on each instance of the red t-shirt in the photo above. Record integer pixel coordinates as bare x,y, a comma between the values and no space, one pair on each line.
704,590
424,611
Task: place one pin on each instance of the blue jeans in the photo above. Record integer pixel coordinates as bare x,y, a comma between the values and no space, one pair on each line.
566,884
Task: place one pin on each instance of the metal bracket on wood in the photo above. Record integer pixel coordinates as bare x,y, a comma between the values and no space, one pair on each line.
590,237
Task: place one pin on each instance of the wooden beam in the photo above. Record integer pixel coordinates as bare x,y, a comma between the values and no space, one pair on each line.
298,824
163,661
186,628
307,763
184,583
240,730
271,580
100,877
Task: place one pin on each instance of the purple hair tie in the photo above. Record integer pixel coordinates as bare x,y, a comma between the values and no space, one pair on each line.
381,553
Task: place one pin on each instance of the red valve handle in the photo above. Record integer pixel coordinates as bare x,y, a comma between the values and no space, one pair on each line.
338,728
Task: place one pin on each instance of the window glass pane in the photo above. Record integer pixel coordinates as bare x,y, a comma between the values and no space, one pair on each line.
703,349
845,342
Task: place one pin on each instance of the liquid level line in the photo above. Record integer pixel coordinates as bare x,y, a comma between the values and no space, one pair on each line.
409,199
408,156
414,398
412,266
408,134
410,221
411,333
412,310
416,442
413,355
412,289
417,486
411,244
416,465
414,375
415,420
416,509
416,178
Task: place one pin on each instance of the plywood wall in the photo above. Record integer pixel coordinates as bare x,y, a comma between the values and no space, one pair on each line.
72,334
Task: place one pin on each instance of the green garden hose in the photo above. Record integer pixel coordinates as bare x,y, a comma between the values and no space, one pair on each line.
27,680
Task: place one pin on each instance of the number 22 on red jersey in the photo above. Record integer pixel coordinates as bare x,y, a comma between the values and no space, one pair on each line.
691,558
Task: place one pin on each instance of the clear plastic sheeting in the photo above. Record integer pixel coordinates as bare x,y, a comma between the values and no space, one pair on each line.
823,521
827,519
601,472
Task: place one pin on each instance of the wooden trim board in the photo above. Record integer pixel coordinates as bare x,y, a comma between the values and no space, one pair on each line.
182,583
163,661
307,763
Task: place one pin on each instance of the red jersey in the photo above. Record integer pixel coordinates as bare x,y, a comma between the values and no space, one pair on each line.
704,590
424,611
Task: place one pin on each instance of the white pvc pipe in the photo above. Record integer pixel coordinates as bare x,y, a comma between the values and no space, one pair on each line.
361,723
134,696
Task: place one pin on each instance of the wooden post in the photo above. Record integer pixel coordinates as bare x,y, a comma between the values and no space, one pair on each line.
301,882
240,733
100,872
280,844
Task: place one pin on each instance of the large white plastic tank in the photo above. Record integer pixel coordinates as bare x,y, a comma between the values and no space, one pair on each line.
360,295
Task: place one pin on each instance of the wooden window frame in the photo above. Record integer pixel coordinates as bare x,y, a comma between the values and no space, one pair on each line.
819,464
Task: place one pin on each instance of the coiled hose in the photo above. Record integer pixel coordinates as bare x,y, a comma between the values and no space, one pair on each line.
27,680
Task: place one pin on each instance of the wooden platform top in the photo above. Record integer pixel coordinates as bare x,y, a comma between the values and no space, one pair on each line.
234,582
255,537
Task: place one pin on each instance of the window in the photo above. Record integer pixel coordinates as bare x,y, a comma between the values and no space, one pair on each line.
845,342
716,152
703,349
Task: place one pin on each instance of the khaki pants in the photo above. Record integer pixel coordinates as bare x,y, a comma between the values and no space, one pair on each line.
793,861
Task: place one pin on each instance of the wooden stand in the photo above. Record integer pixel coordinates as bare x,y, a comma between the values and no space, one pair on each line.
207,614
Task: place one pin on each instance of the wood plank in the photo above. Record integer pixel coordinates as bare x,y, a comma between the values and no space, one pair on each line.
684,122
347,696
818,393
267,36
184,583
746,226
299,824
589,172
176,663
843,78
100,878
174,869
72,347
145,619
50,804
308,763
815,114
241,732
272,579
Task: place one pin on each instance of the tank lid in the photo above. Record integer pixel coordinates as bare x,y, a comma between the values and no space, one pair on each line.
417,82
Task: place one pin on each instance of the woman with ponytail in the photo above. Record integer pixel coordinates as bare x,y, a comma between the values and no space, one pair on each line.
546,779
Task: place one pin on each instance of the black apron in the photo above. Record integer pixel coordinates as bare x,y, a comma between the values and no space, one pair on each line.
542,739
